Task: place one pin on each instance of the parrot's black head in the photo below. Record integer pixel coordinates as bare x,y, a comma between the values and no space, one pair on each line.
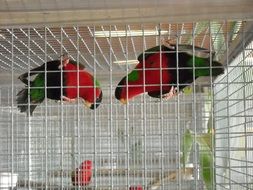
98,101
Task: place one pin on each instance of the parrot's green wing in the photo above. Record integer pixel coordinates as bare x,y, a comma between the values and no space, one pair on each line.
37,91
206,159
205,155
36,94
133,76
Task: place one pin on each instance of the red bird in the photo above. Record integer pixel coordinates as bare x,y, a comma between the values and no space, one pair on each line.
51,83
82,175
138,187
81,82
161,70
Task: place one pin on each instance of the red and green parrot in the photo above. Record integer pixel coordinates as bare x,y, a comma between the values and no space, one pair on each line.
82,175
157,73
71,83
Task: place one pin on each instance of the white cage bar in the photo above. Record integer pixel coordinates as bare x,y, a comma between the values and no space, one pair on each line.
135,144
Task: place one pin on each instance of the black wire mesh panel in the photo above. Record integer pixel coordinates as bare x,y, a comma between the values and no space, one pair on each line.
168,142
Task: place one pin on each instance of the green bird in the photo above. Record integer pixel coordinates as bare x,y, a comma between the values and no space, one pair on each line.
206,158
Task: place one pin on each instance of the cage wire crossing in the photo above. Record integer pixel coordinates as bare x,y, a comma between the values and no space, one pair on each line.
185,134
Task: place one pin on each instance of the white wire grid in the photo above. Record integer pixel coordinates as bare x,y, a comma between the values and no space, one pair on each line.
138,143
233,115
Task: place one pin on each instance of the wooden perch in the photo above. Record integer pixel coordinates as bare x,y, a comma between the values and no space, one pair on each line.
170,176
35,185
154,184
109,172
44,186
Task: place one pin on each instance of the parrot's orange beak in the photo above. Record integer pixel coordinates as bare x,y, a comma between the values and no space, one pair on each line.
87,104
123,101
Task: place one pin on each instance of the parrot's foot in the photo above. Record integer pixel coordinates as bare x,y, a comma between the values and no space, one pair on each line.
66,99
173,92
168,43
65,61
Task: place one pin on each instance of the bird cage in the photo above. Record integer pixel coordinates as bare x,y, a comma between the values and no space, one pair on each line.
196,135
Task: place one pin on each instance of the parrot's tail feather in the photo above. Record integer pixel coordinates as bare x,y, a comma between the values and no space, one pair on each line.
22,99
22,102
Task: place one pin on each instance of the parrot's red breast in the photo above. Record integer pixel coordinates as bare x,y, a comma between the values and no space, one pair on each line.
153,72
87,90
